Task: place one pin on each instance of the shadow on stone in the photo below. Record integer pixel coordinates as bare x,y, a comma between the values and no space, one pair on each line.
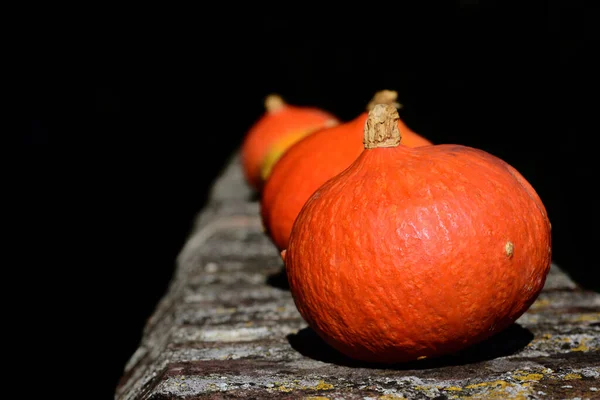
279,279
510,341
254,196
584,280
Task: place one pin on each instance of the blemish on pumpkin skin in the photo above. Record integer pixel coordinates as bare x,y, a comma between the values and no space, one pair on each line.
509,248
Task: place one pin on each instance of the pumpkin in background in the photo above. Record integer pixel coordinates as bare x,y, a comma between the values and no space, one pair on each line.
279,126
417,252
311,162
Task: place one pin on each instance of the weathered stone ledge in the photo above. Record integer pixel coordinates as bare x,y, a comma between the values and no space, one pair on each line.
228,328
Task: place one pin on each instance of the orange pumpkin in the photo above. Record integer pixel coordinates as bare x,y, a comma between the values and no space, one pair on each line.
417,252
280,122
311,162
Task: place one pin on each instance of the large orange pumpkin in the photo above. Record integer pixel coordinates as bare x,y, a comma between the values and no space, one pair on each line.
311,162
417,252
279,126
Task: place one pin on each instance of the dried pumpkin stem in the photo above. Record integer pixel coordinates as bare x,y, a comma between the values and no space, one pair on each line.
274,102
384,97
381,128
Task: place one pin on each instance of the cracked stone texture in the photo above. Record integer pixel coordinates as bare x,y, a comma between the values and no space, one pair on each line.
228,328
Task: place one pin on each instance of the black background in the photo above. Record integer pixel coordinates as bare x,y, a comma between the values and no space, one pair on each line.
135,116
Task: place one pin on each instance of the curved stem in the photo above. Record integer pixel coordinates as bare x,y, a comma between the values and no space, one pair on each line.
381,127
274,102
384,97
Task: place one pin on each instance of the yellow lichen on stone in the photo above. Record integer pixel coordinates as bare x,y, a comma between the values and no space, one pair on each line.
390,397
582,346
453,388
593,317
540,303
500,383
500,394
524,377
569,377
323,386
500,390
285,389
225,310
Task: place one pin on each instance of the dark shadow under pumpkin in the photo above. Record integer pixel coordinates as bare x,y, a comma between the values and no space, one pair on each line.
254,196
279,279
509,341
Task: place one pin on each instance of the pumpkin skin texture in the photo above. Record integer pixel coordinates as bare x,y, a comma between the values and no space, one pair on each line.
310,162
417,252
279,121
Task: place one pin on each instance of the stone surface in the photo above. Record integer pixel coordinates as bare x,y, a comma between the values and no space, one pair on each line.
228,328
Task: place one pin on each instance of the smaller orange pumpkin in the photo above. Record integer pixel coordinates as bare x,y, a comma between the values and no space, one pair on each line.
312,161
281,125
